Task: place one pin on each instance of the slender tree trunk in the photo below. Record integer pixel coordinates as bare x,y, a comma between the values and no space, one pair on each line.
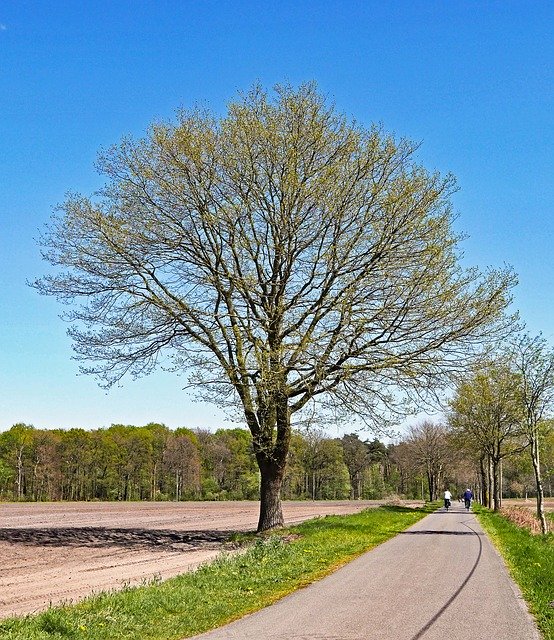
153,481
20,473
500,480
538,480
497,502
352,486
430,482
484,486
490,482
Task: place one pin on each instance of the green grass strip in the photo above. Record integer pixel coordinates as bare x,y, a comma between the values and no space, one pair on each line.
530,559
223,590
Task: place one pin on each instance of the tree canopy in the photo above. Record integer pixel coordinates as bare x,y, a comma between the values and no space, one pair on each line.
282,255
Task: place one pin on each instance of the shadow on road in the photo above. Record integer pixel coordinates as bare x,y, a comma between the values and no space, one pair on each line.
108,537
470,532
430,532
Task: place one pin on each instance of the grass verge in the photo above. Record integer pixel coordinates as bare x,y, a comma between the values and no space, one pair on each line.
221,591
530,559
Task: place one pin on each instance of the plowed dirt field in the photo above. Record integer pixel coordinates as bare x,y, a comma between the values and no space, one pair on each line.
56,552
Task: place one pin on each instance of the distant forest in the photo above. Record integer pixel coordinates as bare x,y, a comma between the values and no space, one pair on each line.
153,462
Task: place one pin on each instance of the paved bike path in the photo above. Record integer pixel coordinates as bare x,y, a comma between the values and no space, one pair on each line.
441,579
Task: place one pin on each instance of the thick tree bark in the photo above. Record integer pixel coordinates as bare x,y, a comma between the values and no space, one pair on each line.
271,512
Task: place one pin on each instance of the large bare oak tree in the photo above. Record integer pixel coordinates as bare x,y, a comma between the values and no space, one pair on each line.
282,255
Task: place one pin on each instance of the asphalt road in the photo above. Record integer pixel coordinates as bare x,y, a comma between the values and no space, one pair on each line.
439,580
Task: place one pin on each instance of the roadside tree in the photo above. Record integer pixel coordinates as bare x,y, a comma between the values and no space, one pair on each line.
486,414
547,460
283,256
533,362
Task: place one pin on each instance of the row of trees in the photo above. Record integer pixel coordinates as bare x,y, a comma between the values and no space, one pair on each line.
446,456
125,463
503,408
155,463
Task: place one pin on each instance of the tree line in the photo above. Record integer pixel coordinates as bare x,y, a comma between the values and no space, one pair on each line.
153,462
446,455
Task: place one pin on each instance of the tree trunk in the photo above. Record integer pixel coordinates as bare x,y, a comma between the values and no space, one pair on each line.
538,481
490,483
432,489
20,474
352,486
153,481
496,484
484,483
271,513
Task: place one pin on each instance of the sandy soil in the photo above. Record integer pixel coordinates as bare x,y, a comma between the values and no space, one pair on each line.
59,552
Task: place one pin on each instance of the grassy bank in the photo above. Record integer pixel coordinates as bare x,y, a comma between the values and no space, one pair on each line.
530,559
222,591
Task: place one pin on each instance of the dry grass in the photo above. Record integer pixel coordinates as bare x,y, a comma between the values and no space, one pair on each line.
529,503
522,517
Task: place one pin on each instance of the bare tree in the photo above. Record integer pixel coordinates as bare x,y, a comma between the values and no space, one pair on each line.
431,452
280,254
533,361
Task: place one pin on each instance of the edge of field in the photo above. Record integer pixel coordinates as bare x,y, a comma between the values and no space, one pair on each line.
530,559
226,589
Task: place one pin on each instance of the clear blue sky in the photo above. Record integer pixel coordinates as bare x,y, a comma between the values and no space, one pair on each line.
473,81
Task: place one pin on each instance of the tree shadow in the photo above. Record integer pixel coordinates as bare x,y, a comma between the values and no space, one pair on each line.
157,539
452,512
346,524
394,508
431,532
